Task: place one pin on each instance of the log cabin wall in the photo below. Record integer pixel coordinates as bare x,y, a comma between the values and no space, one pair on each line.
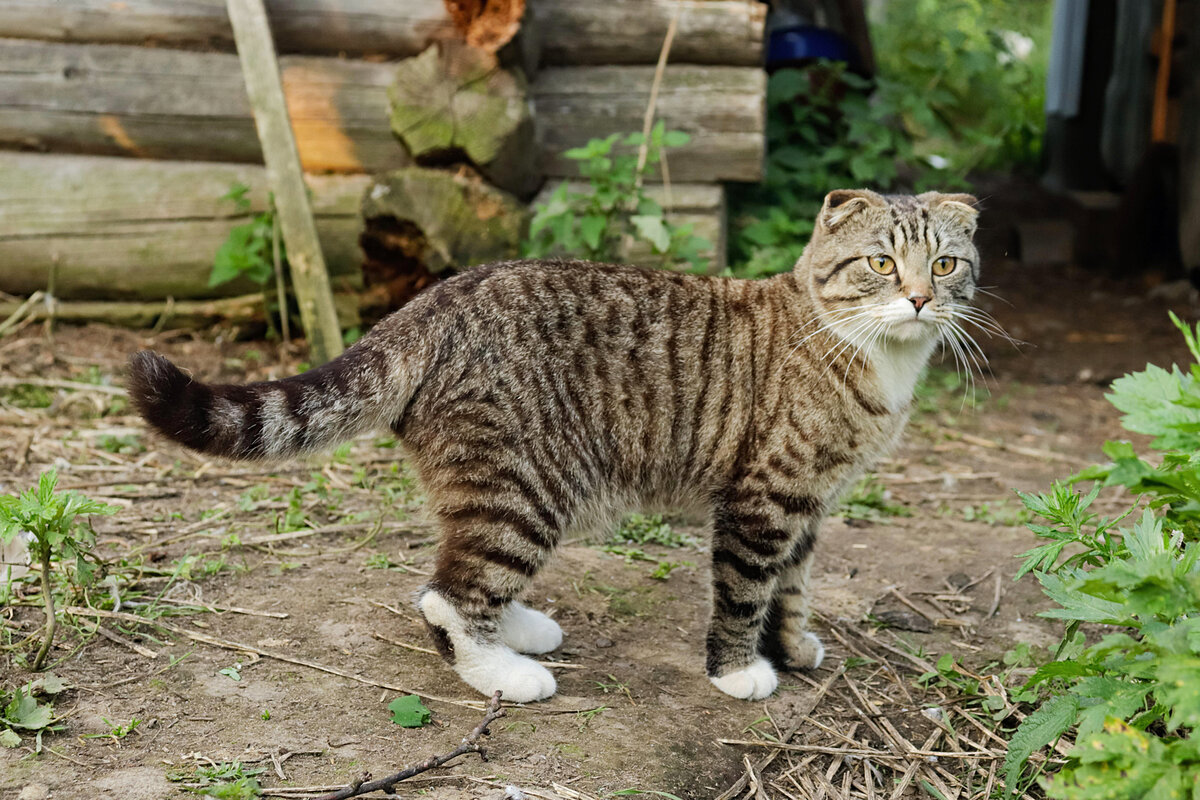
123,124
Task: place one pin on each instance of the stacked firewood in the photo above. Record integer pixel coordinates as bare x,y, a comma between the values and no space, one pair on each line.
426,127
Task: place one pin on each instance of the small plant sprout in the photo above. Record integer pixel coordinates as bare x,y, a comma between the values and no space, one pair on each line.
60,526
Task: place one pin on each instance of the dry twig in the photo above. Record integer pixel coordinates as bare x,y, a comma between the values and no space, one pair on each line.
469,744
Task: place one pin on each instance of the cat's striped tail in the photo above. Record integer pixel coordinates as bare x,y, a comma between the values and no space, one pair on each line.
364,389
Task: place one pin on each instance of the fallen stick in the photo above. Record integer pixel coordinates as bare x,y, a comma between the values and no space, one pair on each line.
993,444
54,383
469,744
204,638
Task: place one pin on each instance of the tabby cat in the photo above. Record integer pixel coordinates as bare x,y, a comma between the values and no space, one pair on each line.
540,397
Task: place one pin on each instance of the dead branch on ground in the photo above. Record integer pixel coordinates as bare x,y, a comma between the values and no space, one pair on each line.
469,744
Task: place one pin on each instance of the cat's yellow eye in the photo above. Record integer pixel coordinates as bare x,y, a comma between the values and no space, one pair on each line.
944,266
884,265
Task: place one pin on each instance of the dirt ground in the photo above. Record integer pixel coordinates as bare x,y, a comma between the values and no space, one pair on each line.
334,550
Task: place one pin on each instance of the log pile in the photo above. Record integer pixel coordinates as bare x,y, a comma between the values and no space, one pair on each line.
130,147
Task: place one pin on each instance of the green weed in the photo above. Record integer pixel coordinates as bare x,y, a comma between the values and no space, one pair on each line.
597,223
60,525
228,780
1125,676
869,500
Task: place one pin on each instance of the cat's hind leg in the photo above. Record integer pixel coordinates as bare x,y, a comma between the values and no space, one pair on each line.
490,550
474,649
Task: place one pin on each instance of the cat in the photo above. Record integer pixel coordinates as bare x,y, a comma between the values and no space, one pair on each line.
537,397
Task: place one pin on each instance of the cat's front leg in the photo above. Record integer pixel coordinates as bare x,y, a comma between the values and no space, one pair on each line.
787,641
756,537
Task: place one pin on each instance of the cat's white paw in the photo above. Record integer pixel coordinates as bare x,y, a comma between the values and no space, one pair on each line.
529,631
487,666
807,653
749,683
521,679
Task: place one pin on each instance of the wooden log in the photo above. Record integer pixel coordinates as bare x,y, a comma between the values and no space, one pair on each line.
396,28
722,108
447,220
119,228
570,31
310,279
701,205
728,32
155,103
455,101
189,314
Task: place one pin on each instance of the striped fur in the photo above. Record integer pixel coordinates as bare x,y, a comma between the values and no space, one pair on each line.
536,398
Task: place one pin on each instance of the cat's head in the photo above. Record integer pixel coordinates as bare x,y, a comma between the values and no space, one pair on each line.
901,268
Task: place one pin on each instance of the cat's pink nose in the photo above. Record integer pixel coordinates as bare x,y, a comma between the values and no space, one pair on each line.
918,300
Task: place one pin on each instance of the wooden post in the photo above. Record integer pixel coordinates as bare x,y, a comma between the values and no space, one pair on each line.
265,89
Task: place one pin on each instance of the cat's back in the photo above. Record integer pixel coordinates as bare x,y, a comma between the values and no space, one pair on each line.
559,306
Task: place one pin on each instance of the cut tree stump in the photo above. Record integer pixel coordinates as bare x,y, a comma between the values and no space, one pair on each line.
455,101
436,221
135,229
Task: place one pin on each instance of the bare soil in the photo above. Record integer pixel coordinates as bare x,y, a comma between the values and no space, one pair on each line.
337,548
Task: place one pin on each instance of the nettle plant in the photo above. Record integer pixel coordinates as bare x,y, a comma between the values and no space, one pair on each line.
599,222
58,528
1126,674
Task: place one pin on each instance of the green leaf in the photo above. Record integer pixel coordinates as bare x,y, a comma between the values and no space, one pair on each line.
24,711
1042,727
49,683
1076,604
653,230
592,229
675,139
1145,539
9,738
230,672
409,712
1150,400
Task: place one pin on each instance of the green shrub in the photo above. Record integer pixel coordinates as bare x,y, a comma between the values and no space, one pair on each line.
954,92
1131,689
59,525
599,222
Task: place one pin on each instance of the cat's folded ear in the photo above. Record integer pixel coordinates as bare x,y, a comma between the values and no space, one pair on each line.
841,204
963,206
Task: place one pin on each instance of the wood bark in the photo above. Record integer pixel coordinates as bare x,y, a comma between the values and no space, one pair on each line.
570,31
574,32
700,205
158,103
722,108
453,102
310,279
119,228
396,28
241,310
